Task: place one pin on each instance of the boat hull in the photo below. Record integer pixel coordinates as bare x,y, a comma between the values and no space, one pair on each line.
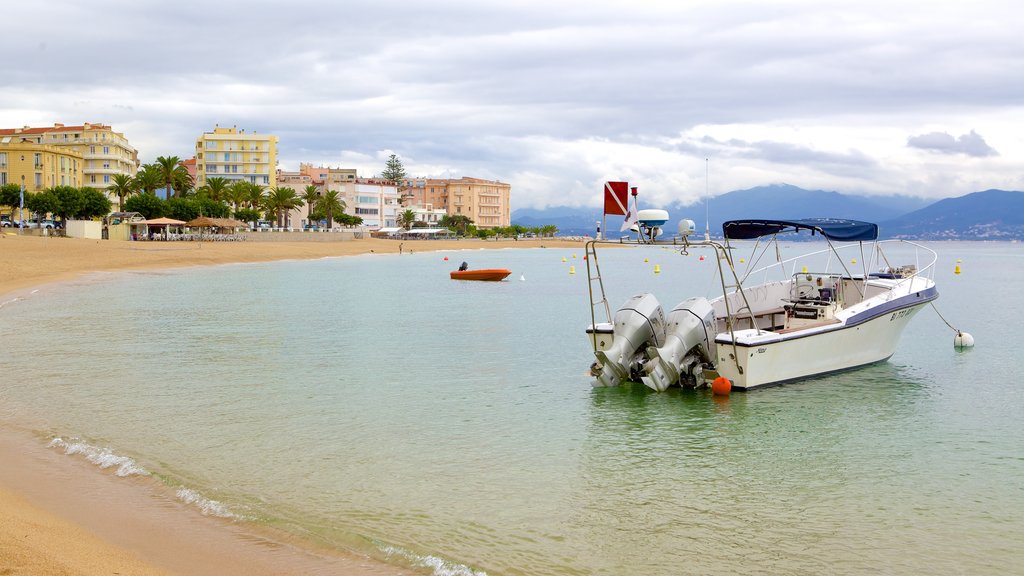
833,349
487,275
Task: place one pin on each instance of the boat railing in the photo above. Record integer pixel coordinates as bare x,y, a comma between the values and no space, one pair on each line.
733,309
877,259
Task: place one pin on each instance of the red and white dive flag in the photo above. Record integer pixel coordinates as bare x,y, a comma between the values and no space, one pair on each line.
616,197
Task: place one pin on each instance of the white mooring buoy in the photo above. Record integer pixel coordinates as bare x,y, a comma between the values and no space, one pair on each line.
963,340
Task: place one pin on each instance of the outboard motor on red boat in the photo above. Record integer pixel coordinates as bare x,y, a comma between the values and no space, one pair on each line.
638,324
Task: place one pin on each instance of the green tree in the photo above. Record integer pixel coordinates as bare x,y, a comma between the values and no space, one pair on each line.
182,180
149,205
41,203
69,201
333,206
459,222
148,179
167,165
395,172
247,215
406,219
310,195
123,186
216,188
280,201
348,219
10,195
94,204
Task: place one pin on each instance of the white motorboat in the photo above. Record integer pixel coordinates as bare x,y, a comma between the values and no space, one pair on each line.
773,323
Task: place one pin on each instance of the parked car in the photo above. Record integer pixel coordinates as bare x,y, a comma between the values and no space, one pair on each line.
5,221
35,223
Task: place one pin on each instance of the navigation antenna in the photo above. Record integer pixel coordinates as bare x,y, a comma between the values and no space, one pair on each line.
707,219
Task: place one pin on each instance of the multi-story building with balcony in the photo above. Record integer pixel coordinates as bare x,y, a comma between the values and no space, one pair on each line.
38,166
101,152
485,202
233,154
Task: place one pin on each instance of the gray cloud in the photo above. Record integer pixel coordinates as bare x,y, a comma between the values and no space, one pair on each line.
558,96
971,144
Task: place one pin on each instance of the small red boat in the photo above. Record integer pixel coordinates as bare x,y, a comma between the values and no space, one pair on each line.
492,274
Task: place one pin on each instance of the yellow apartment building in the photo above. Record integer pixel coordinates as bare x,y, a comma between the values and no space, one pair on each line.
486,202
234,154
102,153
38,166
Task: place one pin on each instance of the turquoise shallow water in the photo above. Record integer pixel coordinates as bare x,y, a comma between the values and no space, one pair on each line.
371,403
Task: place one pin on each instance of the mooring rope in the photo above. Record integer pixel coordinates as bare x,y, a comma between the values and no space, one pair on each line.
951,327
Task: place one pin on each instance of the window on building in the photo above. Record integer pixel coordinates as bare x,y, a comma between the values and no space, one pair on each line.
227,156
106,149
106,178
38,160
3,159
3,178
92,149
92,178
39,180
211,145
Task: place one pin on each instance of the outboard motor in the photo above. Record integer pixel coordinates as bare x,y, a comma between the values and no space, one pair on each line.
639,323
690,341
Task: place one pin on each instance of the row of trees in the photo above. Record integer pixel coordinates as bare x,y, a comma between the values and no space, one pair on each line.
63,202
220,197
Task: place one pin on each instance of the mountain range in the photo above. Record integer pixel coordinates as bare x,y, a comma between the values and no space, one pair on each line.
985,215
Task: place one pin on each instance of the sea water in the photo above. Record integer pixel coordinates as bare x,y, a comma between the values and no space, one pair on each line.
370,403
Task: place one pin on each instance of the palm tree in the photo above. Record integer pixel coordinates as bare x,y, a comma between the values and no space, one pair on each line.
238,193
331,203
182,180
256,195
167,165
310,195
216,188
281,201
148,178
123,186
406,219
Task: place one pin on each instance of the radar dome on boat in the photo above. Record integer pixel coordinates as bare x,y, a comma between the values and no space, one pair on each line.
652,217
686,227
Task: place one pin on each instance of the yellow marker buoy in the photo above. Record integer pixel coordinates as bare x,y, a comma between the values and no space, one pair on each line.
957,269
563,259
573,256
854,261
645,260
721,386
657,269
804,271
572,269
741,260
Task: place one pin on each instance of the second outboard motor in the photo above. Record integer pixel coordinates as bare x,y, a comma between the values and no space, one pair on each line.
639,323
690,341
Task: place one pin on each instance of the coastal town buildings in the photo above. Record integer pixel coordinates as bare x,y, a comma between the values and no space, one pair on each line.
96,150
235,154
485,202
39,166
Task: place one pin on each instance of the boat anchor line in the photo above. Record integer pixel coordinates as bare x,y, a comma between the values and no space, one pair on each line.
801,325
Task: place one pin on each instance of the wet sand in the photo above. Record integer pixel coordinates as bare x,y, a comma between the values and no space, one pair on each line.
62,515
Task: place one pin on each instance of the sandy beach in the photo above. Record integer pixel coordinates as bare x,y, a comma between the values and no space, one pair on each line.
62,515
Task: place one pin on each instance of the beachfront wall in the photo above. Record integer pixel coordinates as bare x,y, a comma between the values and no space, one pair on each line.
84,229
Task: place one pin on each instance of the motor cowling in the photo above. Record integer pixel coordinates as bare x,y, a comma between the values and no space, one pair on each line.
638,324
689,342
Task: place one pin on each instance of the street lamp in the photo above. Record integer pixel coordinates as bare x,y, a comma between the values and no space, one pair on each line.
21,208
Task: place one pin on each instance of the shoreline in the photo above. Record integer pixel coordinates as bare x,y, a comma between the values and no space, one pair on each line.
64,515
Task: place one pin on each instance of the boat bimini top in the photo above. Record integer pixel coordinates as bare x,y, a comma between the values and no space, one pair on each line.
831,228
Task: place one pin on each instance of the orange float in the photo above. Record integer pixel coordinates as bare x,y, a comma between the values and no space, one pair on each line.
721,386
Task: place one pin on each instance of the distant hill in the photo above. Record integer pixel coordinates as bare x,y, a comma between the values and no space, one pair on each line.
987,215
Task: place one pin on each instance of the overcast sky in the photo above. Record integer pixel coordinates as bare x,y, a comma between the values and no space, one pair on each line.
554,96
